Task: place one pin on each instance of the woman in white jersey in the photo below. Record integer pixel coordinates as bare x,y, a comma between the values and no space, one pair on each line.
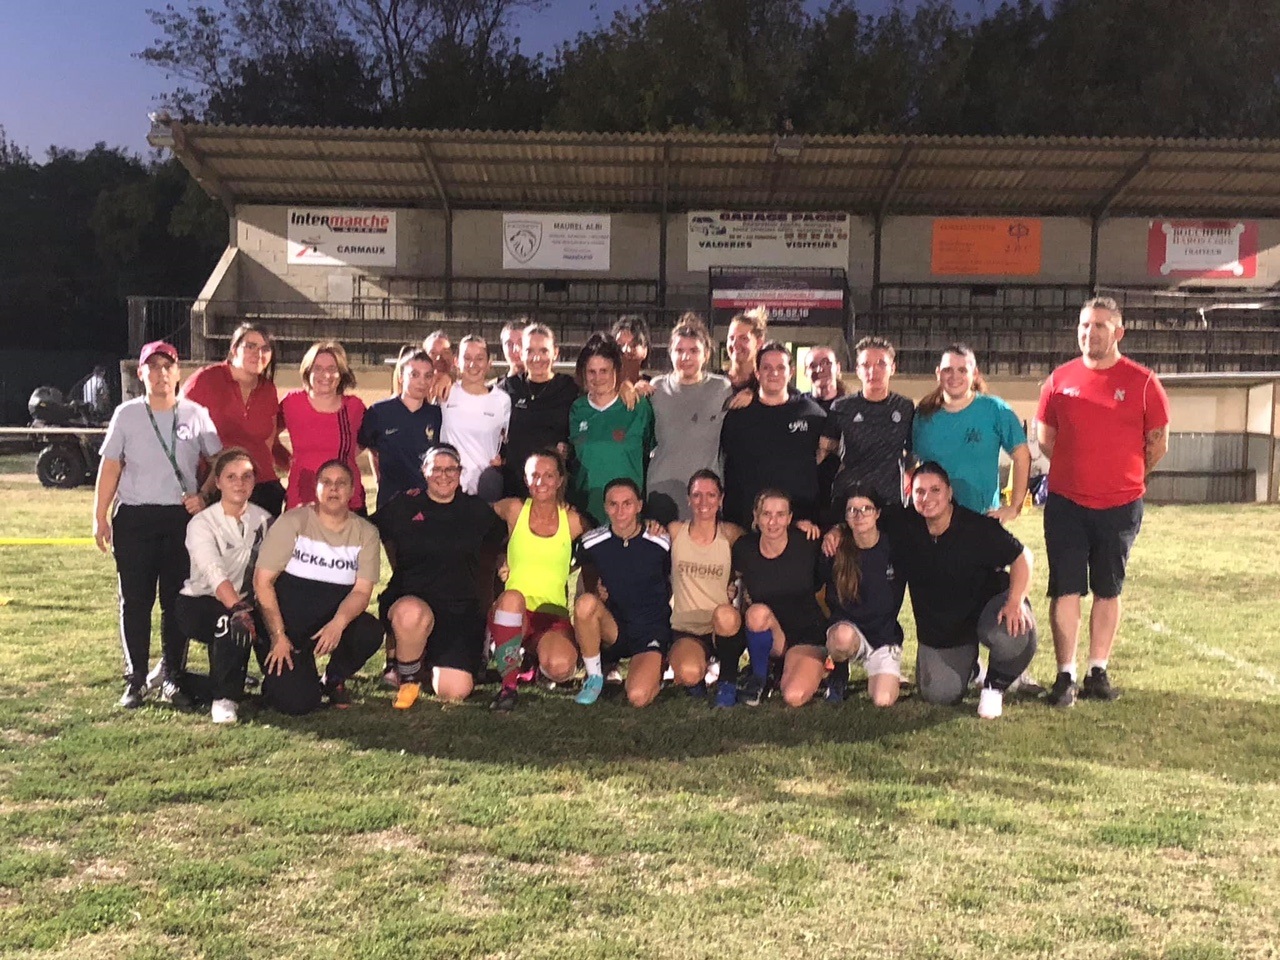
476,419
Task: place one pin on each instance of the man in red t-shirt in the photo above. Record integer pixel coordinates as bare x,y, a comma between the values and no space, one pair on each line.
1103,421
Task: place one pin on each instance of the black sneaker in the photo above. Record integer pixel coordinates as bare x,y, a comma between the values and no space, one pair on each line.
175,696
1064,691
134,693
1097,686
338,695
505,701
752,691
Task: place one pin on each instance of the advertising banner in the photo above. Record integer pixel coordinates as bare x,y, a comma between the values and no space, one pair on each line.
729,238
1210,249
337,237
791,298
555,241
985,247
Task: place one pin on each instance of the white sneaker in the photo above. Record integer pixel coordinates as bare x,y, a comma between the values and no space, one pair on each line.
154,680
223,711
990,703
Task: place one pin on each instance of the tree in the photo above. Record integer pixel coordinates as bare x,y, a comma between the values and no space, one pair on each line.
330,62
11,154
85,229
679,64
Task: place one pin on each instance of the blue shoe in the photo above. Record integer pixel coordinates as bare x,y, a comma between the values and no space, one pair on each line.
698,691
837,687
752,690
726,696
590,692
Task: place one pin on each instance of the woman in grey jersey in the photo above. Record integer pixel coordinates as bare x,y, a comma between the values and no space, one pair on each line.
145,494
688,405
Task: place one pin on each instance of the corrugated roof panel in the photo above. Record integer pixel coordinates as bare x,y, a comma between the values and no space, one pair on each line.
492,167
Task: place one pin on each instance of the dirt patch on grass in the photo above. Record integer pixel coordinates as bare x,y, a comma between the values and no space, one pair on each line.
385,841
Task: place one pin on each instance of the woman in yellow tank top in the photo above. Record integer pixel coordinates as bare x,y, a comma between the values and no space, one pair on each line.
533,610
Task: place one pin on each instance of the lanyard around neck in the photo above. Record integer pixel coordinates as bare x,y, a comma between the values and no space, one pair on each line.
170,449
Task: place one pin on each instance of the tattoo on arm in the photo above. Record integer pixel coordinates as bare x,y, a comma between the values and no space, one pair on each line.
1156,446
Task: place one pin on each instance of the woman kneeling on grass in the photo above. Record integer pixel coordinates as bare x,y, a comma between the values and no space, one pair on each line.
533,611
437,540
781,575
969,579
703,619
316,572
215,605
864,594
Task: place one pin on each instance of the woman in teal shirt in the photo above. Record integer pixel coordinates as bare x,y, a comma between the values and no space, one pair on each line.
962,427
609,441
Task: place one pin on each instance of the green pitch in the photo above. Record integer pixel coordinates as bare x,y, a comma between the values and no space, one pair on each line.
1146,828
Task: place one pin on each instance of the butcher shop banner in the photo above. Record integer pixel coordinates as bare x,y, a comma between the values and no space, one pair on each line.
1208,249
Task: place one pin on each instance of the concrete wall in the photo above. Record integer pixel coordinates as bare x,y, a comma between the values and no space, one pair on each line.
262,273
261,233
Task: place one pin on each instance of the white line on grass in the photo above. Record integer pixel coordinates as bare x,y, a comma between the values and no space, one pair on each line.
1243,666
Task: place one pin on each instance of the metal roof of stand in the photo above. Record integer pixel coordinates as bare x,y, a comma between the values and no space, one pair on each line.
865,175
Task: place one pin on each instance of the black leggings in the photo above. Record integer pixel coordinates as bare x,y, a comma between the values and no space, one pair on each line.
149,545
206,620
297,690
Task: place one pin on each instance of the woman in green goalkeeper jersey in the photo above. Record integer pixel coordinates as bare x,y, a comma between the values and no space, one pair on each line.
609,441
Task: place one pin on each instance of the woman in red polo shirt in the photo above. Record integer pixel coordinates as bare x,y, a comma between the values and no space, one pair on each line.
240,395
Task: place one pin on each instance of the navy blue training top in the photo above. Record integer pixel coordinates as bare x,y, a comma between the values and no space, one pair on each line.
400,436
880,591
637,574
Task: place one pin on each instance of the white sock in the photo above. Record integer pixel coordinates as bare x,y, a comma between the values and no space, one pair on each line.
593,666
1097,664
1068,668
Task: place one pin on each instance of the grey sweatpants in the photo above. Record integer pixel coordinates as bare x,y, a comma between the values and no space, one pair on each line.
943,674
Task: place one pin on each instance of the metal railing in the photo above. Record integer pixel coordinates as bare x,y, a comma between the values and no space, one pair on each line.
1008,339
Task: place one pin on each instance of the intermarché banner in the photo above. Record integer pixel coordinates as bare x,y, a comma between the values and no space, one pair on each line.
336,237
738,238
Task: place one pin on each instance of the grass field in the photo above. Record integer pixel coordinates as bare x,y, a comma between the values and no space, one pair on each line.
1147,828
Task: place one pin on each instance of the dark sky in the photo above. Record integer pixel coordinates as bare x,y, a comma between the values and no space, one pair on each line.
68,77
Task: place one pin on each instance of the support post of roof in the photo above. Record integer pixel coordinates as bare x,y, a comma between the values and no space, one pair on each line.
886,199
428,158
1094,223
875,262
662,232
1102,208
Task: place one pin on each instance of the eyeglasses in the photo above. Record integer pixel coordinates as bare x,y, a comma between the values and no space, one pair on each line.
255,347
447,471
853,511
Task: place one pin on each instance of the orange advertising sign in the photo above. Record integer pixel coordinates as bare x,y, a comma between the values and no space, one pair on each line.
985,246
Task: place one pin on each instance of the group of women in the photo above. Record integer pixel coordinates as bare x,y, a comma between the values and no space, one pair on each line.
465,467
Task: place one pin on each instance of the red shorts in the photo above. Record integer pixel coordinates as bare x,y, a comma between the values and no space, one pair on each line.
536,624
